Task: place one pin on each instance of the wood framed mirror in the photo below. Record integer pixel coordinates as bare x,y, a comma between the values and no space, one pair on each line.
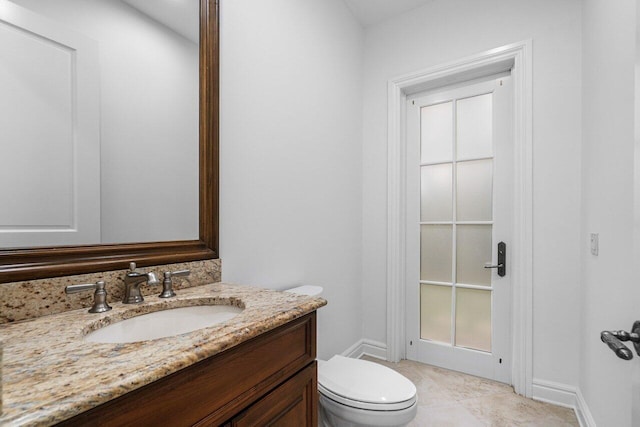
43,262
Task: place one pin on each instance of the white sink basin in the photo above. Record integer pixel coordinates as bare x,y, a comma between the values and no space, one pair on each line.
165,323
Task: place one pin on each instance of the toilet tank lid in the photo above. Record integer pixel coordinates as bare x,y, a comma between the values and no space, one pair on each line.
309,290
364,381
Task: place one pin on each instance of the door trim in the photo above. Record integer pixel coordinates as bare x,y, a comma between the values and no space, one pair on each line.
516,57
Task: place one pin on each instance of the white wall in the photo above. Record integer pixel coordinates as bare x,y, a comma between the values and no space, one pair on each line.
610,293
290,154
446,30
635,417
149,119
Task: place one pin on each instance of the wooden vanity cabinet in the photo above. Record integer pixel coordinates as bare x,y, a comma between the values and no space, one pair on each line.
291,404
268,380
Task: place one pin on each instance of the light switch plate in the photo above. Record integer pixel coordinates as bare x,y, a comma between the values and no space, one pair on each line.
595,244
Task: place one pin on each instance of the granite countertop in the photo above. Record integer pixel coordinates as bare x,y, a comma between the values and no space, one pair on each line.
50,373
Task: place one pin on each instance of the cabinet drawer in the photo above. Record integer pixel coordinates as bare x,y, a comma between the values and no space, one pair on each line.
212,391
293,404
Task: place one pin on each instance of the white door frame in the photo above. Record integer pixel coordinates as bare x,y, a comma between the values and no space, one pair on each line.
635,379
516,57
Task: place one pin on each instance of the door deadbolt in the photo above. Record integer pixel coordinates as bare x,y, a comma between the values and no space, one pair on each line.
502,260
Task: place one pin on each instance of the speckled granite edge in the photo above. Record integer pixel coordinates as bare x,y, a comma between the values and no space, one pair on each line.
34,298
1,377
51,373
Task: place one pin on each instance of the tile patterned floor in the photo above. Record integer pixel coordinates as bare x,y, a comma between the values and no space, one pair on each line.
448,398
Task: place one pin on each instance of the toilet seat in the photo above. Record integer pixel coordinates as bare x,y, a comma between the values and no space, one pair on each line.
364,385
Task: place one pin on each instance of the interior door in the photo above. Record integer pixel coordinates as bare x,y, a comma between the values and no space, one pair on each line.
50,140
459,196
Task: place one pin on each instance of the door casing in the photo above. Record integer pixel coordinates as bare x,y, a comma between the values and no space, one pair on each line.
516,58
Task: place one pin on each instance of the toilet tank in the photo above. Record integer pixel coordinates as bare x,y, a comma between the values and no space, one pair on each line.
309,290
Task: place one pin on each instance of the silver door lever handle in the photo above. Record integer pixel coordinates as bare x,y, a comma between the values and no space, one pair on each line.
488,265
616,345
614,340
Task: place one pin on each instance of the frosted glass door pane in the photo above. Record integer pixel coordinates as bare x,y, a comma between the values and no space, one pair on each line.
436,133
475,190
473,319
436,192
473,252
436,246
475,127
435,313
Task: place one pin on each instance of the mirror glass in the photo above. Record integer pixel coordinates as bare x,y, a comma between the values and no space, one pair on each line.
99,119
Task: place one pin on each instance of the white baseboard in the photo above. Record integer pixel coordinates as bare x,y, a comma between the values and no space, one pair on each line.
544,391
355,351
555,393
564,395
582,411
366,347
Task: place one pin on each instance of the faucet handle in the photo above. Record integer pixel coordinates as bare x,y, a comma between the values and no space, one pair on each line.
177,273
99,297
151,276
167,284
152,280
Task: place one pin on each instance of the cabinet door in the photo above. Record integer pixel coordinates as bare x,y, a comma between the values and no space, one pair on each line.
292,404
216,389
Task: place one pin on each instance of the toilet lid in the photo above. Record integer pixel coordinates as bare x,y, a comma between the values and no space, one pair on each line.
366,385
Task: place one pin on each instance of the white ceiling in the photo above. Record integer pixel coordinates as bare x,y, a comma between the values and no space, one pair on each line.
370,12
182,16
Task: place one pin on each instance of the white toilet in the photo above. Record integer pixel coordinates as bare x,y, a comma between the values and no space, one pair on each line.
358,393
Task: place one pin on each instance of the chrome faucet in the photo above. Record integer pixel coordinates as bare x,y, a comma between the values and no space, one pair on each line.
167,284
132,282
100,304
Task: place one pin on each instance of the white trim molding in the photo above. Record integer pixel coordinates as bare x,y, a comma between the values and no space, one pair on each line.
555,393
366,347
564,395
517,58
582,411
